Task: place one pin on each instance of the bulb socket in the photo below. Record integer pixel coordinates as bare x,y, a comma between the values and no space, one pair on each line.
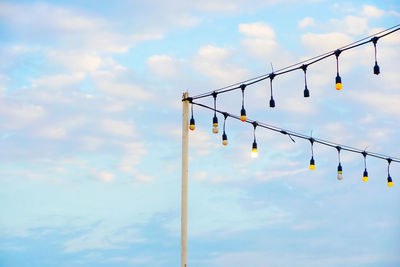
306,92
255,145
192,124
312,163
272,103
376,69
390,182
243,114
215,120
224,139
365,176
338,81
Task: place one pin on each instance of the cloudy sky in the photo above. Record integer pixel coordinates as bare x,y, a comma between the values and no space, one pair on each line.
90,120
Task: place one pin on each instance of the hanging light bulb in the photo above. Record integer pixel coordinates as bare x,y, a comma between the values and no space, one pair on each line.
224,136
192,124
365,174
271,101
243,111
376,67
224,139
338,84
312,161
339,172
215,118
389,179
254,152
306,91
339,168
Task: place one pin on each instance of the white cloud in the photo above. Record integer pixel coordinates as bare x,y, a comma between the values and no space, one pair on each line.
163,65
16,115
119,128
58,80
372,11
257,30
355,25
53,132
76,60
324,42
306,22
72,27
115,83
212,61
259,40
105,176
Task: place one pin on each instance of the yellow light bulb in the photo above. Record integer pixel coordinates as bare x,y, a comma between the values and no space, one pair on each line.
192,127
338,86
243,118
254,153
225,142
215,130
365,178
312,166
390,184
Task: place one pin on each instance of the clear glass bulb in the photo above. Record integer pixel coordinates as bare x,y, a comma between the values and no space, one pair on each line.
254,153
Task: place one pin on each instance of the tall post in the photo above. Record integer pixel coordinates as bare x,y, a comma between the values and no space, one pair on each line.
185,163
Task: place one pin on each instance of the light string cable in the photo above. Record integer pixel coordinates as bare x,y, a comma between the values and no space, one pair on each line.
298,65
299,135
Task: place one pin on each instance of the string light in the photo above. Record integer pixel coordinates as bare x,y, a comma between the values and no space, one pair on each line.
339,168
192,124
254,152
306,91
389,179
365,174
243,111
224,136
338,80
307,62
376,67
312,161
271,101
215,118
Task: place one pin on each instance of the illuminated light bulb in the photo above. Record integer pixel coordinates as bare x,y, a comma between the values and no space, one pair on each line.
215,125
243,114
390,183
192,124
224,139
306,92
272,103
365,176
312,163
376,69
338,84
254,152
339,172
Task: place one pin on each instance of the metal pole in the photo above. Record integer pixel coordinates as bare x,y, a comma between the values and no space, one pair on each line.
185,163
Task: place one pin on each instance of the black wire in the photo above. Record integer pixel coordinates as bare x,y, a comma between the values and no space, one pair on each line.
302,136
290,68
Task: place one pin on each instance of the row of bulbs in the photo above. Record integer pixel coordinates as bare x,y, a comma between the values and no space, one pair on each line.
254,151
243,117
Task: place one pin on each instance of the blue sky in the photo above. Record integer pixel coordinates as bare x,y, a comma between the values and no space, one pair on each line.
90,118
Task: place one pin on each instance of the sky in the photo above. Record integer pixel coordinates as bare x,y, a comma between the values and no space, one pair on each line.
90,134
